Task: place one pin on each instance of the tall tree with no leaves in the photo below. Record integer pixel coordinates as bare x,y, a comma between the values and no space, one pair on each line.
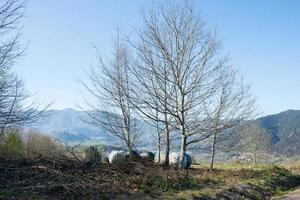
109,84
230,105
14,110
150,95
254,140
177,48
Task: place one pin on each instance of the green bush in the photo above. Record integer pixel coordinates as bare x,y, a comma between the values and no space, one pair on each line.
93,155
13,146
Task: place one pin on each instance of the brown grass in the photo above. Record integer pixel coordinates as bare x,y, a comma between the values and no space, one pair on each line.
68,179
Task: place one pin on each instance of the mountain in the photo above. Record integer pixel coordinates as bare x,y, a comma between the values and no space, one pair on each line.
284,131
67,125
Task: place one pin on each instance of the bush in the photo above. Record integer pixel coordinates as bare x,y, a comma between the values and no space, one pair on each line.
93,155
36,144
13,145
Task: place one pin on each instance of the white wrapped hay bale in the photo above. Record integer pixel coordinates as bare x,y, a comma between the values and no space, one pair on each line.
133,155
174,159
162,158
106,156
148,155
116,156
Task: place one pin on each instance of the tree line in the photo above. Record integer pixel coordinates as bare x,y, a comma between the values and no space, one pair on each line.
173,75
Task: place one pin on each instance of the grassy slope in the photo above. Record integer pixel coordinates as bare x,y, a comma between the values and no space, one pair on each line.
240,181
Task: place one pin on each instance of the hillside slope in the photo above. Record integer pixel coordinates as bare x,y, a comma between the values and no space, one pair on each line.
284,131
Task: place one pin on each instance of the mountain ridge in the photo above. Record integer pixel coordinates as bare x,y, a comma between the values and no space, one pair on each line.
284,131
66,124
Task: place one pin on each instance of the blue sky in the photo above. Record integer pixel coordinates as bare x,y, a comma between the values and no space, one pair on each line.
262,38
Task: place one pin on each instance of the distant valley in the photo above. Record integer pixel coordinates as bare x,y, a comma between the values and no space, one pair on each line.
66,125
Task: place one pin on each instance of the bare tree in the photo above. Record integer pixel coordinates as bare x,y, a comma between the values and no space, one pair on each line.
150,95
14,110
109,84
176,48
11,12
254,140
230,105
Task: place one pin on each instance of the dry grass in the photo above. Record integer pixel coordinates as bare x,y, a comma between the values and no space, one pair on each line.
61,179
292,165
234,166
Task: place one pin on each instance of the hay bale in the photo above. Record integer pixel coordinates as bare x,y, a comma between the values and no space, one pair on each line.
133,155
188,161
162,158
148,155
116,156
174,158
106,156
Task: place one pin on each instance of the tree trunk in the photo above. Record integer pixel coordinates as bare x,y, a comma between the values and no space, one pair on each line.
130,152
158,146
254,154
213,151
182,151
129,145
166,119
167,145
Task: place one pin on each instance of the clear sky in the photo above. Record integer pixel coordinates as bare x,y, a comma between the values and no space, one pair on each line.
262,37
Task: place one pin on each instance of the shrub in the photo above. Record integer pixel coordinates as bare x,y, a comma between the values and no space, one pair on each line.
92,155
13,145
37,144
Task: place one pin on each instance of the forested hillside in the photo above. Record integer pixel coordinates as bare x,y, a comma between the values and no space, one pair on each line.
284,131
